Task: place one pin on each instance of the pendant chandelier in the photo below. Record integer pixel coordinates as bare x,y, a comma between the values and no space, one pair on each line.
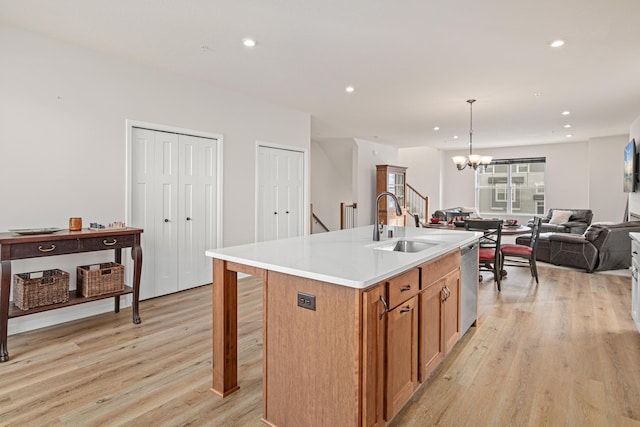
473,160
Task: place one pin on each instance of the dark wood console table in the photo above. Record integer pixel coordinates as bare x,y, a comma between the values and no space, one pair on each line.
14,246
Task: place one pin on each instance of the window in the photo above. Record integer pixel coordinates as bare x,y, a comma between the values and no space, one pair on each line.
511,186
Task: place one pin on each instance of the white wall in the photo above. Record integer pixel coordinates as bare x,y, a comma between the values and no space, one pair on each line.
331,175
369,154
584,174
62,138
606,197
423,172
634,198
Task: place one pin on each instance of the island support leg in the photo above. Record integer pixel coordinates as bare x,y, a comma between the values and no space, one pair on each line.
225,329
5,288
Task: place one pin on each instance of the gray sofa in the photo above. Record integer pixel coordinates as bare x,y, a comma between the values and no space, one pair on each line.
543,252
578,223
602,247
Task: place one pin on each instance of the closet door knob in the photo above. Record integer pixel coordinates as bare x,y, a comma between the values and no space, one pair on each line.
166,220
188,218
275,213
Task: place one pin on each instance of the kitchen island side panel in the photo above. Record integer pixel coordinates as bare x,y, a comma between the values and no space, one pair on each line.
312,357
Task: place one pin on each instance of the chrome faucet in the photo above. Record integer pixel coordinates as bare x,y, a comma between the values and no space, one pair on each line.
376,230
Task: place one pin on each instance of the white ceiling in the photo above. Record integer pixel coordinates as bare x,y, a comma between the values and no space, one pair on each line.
413,63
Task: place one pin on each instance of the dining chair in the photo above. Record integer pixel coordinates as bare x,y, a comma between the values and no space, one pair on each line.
489,254
524,255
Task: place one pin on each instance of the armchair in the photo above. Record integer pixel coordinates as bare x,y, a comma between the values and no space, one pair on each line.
577,223
602,247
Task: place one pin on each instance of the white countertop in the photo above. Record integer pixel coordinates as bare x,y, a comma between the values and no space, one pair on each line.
345,257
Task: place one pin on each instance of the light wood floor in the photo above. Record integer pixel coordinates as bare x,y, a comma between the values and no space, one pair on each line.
563,353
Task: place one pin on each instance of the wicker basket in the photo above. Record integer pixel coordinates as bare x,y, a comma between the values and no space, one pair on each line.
99,279
39,288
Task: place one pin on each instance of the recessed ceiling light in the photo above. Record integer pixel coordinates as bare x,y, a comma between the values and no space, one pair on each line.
436,128
455,136
569,135
567,126
537,94
349,89
249,42
566,113
556,43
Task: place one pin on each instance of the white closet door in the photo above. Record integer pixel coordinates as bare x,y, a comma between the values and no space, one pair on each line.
174,199
280,193
143,150
197,210
166,207
208,194
289,186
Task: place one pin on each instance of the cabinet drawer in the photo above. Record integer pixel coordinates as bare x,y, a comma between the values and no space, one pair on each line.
108,242
403,287
436,269
38,249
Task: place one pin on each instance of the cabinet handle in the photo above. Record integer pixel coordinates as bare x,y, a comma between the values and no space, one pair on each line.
275,213
386,307
188,218
635,252
287,212
166,220
446,293
108,243
49,249
405,310
406,288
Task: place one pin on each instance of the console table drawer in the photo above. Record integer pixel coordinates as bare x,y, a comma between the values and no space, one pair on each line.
108,242
48,248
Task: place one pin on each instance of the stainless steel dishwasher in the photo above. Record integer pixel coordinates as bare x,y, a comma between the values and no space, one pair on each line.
469,286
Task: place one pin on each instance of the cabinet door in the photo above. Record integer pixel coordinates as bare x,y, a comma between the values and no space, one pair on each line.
431,338
373,348
402,355
197,210
280,193
451,314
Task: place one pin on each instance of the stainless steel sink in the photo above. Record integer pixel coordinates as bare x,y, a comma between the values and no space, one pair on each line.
406,246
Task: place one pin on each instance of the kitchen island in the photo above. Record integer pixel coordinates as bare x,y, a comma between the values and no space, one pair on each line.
351,326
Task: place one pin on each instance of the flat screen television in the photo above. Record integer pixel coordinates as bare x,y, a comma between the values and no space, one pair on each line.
630,167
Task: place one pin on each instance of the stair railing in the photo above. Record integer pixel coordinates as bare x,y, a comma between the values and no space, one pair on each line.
417,204
348,215
314,220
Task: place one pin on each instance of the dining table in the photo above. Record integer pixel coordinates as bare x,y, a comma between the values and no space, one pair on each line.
507,230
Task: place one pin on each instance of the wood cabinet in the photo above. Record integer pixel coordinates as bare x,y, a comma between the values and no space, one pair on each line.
374,335
392,179
366,346
390,347
439,310
402,356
